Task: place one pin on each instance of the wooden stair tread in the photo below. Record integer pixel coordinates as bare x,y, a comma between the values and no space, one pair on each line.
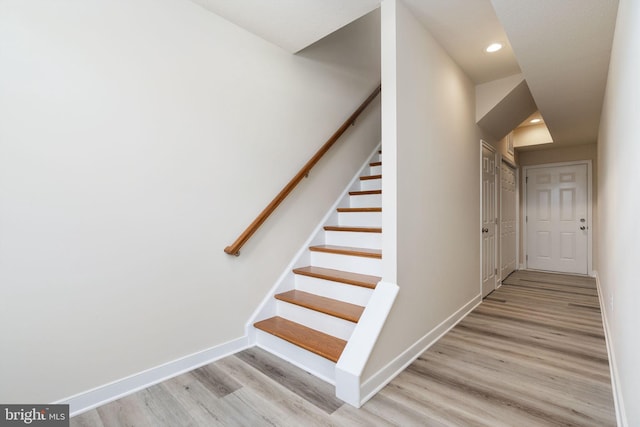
347,277
353,229
362,193
316,342
332,307
375,164
369,177
359,209
345,250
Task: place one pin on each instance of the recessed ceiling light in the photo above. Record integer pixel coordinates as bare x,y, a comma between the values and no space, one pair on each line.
493,47
535,121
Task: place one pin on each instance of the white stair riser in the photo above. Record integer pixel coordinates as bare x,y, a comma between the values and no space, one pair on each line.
375,170
310,362
371,184
354,239
331,325
352,294
354,264
366,201
362,219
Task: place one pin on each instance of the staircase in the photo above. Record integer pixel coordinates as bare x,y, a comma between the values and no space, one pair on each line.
319,302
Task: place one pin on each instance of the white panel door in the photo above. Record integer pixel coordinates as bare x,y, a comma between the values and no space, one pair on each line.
508,220
489,220
556,219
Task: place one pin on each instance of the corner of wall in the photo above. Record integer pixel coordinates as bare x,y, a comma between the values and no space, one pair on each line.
387,373
613,365
489,94
104,394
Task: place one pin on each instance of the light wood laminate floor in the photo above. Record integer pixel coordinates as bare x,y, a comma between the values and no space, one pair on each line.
532,354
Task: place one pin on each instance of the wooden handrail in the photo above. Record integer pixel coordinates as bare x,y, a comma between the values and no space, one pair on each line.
234,249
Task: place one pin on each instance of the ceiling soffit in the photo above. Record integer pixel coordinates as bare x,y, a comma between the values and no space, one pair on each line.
290,24
563,48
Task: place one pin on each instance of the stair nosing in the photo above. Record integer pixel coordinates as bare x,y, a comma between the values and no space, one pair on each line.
357,279
370,177
320,351
349,251
364,192
325,305
353,229
351,210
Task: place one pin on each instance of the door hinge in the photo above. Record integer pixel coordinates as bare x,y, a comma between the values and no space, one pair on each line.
495,271
526,257
526,180
496,221
526,218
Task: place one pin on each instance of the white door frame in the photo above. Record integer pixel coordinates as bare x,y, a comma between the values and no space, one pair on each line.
517,197
589,207
484,144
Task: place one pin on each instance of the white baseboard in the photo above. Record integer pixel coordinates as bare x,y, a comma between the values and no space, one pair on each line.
621,419
384,376
98,396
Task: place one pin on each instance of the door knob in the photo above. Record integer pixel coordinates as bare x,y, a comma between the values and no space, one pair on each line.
583,227
485,230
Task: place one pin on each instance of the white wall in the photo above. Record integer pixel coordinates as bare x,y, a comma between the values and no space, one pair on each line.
138,138
489,94
531,135
435,196
618,208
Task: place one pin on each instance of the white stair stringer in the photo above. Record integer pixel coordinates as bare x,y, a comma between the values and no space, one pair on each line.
338,288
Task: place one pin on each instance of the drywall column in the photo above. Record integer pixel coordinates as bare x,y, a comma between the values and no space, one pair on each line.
353,361
429,129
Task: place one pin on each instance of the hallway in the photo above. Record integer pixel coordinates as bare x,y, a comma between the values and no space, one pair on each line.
532,354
